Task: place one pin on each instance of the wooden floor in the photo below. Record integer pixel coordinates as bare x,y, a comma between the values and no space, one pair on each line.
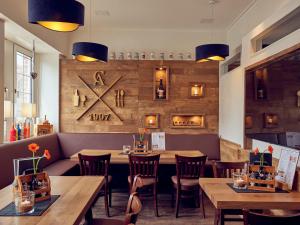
188,214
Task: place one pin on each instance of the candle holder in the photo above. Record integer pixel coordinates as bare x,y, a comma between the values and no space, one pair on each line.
24,202
196,90
239,180
151,121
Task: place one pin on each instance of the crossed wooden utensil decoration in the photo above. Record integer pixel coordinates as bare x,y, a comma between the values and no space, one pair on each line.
99,98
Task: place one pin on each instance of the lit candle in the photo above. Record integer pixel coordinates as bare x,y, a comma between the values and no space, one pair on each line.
195,90
151,122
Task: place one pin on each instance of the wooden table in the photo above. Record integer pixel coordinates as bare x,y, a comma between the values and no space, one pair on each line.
76,197
166,157
223,197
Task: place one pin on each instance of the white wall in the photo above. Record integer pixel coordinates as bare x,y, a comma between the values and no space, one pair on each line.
234,130
231,106
1,77
49,87
258,12
156,41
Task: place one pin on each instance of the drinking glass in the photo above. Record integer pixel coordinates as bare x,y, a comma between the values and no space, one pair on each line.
126,148
24,202
239,180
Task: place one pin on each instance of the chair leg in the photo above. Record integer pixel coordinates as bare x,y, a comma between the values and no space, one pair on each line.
89,216
106,199
201,193
155,199
217,216
178,194
222,217
172,197
110,191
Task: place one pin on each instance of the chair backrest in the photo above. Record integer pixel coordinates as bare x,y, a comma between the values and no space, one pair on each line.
145,166
225,169
94,165
190,167
134,207
253,218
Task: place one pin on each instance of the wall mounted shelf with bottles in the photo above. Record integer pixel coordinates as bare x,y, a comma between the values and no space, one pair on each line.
161,83
151,121
187,120
261,84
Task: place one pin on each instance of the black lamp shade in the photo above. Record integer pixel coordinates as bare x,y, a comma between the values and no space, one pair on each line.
211,52
58,15
89,52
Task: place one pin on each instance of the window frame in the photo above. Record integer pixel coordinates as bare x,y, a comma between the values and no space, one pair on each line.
16,49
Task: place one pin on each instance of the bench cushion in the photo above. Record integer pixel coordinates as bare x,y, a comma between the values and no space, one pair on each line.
60,167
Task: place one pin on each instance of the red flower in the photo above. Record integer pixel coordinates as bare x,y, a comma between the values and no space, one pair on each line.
256,151
33,147
47,154
270,149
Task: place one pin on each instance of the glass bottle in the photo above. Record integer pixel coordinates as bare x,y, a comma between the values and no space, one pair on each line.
161,90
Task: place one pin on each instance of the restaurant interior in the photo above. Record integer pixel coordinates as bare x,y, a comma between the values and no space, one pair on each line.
150,112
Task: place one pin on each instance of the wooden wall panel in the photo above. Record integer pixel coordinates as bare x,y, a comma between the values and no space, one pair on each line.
137,82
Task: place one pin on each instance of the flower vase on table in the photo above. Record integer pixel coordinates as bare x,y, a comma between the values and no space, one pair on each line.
33,180
139,142
261,174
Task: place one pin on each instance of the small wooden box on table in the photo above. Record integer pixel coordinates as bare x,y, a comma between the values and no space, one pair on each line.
43,193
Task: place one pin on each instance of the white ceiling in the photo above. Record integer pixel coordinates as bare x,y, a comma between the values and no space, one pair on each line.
163,14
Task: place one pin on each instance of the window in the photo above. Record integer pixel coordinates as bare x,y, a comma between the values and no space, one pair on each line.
23,81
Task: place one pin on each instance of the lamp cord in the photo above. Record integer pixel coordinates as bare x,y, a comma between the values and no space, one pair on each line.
90,26
212,4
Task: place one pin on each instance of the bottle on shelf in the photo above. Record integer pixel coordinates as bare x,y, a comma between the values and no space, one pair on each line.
260,89
12,134
19,131
161,90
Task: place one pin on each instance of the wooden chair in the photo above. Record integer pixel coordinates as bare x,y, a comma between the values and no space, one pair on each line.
147,169
254,218
225,170
188,171
98,166
134,207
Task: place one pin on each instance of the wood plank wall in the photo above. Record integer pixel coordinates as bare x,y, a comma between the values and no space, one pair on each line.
137,81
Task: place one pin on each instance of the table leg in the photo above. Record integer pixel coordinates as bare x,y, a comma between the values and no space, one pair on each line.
89,216
217,216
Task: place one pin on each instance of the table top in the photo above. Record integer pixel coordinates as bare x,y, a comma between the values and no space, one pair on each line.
223,197
69,209
166,157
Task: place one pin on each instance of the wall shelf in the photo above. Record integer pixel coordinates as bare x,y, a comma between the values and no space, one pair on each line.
261,92
161,83
188,120
151,121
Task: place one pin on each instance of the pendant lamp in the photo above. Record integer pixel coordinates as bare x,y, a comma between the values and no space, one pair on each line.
90,51
211,52
57,15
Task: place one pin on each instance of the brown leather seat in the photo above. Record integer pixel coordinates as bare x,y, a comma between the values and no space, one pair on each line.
185,182
144,181
134,207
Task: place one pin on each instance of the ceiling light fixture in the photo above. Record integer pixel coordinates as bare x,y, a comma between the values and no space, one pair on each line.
57,15
212,52
90,51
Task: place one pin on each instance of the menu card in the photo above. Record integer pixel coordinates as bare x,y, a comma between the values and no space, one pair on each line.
287,166
158,140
